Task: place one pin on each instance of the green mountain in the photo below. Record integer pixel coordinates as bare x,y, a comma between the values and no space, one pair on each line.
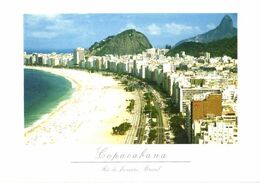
124,43
224,30
226,46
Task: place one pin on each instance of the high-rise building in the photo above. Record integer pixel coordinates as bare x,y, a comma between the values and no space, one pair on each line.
183,54
182,95
78,56
40,60
207,56
209,105
33,59
216,130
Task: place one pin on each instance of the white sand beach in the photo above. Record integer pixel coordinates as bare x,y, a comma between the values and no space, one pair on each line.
97,104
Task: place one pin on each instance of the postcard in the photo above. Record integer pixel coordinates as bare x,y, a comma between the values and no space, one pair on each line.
131,92
132,86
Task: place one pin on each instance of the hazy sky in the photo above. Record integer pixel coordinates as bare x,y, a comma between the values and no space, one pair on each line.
68,31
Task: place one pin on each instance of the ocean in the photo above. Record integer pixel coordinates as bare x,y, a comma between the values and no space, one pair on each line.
30,51
43,91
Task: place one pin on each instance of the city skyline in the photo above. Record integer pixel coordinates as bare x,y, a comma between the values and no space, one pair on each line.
67,31
197,102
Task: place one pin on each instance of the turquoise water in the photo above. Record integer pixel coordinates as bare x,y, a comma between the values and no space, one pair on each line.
43,91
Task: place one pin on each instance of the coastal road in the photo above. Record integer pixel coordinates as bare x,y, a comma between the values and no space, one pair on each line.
134,120
136,133
160,131
157,102
141,126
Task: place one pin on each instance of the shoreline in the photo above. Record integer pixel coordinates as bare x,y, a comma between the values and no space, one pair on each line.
45,117
97,102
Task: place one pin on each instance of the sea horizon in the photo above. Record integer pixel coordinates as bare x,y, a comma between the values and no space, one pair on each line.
49,50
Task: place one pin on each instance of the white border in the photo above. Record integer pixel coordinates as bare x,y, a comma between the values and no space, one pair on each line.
52,164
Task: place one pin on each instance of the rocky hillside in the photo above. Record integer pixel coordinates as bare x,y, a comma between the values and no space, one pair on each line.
124,43
224,30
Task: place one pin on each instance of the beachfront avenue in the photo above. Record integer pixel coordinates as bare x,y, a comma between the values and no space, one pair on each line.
170,94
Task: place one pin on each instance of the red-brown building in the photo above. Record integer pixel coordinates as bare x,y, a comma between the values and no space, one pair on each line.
209,106
200,109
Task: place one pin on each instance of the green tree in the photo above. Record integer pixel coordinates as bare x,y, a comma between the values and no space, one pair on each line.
167,46
152,123
154,112
148,96
147,108
152,135
176,123
130,107
121,129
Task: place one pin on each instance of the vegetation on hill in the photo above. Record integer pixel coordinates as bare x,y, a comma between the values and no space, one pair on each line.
125,43
227,46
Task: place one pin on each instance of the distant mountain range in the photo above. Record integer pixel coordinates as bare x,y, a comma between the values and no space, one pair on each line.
124,43
224,30
219,48
219,42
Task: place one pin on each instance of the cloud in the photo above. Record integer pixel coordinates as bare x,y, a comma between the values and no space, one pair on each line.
211,26
197,28
34,20
48,26
61,25
129,26
154,29
177,29
172,28
44,34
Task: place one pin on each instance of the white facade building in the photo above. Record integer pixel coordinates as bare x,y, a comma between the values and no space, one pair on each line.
78,56
217,130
